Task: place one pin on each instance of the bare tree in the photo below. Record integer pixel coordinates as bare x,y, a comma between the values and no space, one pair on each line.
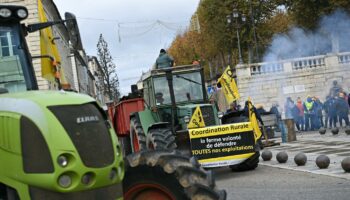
110,78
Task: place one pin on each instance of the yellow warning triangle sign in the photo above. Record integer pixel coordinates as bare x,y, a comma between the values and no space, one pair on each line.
197,120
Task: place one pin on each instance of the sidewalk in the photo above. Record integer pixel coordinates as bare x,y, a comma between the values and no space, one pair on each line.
336,147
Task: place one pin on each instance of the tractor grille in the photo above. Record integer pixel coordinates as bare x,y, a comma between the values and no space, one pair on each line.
208,115
87,128
35,151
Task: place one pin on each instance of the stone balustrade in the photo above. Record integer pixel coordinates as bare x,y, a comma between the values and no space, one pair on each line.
344,58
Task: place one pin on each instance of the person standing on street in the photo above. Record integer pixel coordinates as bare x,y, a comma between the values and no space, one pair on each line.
318,112
300,116
164,60
332,112
288,108
218,97
326,107
275,110
342,108
309,114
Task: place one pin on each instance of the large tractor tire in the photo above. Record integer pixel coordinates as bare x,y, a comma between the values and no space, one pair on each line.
249,164
167,175
161,138
137,136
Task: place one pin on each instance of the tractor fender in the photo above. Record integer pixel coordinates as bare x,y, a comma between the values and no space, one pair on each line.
158,125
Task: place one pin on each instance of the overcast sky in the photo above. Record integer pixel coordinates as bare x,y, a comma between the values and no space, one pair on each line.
135,30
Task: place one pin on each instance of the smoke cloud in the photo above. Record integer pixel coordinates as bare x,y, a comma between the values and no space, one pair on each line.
331,36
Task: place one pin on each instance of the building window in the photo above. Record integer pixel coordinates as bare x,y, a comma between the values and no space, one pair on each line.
7,45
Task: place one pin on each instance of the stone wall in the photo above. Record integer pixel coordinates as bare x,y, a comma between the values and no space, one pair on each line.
268,83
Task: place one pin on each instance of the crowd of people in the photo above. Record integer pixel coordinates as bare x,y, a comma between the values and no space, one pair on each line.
312,114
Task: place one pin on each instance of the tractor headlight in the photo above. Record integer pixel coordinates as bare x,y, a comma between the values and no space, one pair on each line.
220,115
64,181
87,178
22,13
5,12
62,161
187,119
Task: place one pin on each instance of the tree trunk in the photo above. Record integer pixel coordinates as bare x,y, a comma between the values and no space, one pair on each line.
223,61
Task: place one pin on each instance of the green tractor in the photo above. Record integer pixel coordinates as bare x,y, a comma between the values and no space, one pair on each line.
175,98
61,145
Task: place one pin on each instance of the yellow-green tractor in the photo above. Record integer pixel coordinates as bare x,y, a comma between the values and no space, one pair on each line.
60,145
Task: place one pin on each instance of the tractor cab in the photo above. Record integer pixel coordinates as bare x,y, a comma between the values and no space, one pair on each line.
16,73
176,92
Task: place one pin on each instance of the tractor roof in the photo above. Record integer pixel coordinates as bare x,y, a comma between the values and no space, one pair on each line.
175,69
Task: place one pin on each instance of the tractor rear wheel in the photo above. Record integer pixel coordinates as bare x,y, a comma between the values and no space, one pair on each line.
249,164
161,138
137,136
167,175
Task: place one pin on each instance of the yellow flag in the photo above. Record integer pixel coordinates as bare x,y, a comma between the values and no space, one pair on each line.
229,86
254,120
49,69
197,120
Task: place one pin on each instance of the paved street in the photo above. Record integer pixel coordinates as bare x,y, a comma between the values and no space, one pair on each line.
336,147
275,181
271,183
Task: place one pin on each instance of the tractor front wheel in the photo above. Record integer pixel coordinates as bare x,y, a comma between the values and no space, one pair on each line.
161,138
167,175
137,136
249,164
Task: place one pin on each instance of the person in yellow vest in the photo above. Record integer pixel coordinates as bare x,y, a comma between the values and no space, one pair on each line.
309,114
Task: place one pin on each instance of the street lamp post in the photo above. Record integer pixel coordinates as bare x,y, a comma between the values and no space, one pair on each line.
235,15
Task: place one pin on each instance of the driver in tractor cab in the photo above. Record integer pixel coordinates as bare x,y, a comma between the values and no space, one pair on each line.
159,98
164,60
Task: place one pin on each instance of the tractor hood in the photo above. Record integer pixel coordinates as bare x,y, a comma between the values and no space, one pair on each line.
49,110
209,113
45,98
68,121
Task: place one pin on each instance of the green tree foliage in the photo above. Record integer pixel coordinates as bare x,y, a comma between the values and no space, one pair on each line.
307,14
280,23
110,78
217,41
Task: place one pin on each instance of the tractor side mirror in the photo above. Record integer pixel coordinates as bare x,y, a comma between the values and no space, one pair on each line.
73,31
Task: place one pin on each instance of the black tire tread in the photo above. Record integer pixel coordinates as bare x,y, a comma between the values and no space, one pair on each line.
136,125
161,138
249,164
194,182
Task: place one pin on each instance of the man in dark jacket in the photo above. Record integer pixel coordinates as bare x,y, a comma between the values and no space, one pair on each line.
332,112
164,60
274,109
342,109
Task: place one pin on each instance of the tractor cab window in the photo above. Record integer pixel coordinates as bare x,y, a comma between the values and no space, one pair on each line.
161,90
187,87
11,69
